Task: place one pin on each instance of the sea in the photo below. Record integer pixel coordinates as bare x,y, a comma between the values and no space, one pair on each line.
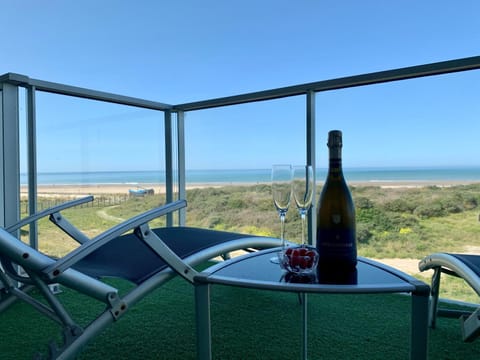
239,176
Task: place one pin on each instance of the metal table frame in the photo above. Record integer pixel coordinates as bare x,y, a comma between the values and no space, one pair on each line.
221,274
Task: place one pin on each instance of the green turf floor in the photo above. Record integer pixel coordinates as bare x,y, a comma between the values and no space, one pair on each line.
247,324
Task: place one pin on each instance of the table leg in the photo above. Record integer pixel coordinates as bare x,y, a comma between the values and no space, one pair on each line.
303,296
419,326
202,309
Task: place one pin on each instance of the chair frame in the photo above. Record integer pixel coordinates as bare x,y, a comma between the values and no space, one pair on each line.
43,271
450,265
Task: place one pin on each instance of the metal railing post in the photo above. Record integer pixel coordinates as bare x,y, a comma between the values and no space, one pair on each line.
32,163
182,192
10,159
168,164
310,141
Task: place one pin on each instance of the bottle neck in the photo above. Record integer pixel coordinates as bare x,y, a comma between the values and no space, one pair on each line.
335,160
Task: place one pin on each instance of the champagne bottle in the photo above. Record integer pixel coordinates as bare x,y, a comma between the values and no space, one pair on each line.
336,237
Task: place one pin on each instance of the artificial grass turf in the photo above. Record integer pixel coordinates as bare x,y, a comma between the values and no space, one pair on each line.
246,324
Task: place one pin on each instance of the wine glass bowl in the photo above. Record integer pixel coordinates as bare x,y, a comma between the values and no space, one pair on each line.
303,186
281,193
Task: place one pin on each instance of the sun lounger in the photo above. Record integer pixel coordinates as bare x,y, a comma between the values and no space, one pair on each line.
131,250
463,266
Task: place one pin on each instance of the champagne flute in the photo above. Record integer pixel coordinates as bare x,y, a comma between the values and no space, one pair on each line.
281,192
303,187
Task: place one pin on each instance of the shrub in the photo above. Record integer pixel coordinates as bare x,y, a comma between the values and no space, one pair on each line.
236,203
402,221
400,205
215,221
429,210
364,203
375,218
470,202
363,233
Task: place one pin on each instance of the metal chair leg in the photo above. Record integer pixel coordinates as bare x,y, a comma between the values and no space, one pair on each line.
434,293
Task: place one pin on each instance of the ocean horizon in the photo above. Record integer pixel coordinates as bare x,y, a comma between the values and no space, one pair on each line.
232,176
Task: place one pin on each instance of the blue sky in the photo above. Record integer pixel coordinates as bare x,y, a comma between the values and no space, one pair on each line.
182,51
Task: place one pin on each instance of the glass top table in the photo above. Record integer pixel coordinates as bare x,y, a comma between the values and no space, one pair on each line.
256,271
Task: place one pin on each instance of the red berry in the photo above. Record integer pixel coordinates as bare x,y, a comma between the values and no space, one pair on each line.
309,261
295,261
302,251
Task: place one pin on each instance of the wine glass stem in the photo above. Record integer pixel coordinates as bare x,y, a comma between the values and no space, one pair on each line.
282,228
302,215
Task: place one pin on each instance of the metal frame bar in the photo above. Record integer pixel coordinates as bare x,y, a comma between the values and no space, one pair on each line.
2,206
168,163
32,162
10,156
168,255
311,160
411,72
56,88
9,110
419,324
57,268
182,192
52,210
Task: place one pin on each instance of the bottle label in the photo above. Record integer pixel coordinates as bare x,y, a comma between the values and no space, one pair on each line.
336,244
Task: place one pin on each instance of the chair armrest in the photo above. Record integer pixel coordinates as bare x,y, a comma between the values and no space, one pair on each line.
47,212
98,241
68,228
167,254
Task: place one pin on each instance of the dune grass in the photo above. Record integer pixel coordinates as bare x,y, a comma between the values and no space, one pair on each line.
391,222
400,222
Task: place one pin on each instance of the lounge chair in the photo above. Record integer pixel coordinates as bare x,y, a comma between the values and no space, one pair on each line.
131,250
463,266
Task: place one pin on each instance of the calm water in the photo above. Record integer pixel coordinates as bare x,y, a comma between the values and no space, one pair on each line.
254,176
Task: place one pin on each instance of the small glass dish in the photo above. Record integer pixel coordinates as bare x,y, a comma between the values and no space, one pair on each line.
301,259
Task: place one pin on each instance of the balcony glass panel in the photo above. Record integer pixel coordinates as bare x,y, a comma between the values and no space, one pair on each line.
236,146
424,122
114,152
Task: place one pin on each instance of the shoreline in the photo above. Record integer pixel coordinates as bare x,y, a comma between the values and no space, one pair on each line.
123,189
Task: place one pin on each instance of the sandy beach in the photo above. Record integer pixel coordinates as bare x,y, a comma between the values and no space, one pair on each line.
102,189
118,189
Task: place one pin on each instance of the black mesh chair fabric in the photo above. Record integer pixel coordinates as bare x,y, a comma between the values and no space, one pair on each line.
130,258
472,261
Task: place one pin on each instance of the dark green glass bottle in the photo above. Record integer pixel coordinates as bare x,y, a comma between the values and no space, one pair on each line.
336,236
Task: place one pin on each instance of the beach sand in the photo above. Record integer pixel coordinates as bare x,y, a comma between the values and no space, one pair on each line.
101,189
118,189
